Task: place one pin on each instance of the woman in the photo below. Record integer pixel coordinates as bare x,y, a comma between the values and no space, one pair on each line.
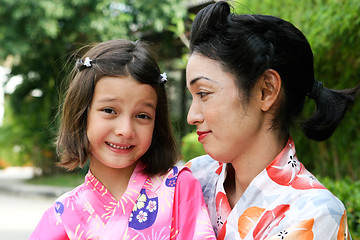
249,76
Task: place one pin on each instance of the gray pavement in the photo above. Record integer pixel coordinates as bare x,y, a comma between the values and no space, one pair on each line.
12,180
21,204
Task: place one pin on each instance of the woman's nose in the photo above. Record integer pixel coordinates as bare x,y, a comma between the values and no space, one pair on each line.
194,116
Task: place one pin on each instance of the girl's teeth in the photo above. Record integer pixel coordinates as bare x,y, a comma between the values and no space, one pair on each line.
118,147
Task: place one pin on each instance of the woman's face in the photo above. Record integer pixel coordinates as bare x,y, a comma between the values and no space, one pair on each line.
227,125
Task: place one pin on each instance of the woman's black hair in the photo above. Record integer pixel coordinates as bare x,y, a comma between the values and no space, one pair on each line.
247,45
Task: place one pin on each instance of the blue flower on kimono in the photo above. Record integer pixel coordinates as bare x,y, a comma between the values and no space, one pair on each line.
59,208
144,212
171,180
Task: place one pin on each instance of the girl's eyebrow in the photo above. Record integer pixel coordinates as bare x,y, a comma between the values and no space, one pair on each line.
149,104
145,103
106,99
192,82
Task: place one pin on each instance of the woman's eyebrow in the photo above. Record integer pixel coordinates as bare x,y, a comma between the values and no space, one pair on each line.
192,82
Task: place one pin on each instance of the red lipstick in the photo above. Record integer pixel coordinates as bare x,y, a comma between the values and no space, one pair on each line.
202,135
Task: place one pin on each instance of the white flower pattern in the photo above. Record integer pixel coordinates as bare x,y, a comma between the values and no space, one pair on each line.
142,216
151,206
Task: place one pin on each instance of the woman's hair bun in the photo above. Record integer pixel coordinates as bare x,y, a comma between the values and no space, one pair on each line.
209,22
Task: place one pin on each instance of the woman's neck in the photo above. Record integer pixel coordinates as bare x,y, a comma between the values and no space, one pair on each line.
245,168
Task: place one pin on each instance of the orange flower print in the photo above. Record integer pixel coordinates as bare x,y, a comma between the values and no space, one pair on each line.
343,233
301,231
269,220
248,219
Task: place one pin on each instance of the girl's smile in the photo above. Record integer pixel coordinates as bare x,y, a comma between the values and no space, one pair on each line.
119,147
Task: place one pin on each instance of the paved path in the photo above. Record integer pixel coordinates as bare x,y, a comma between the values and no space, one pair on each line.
22,205
20,214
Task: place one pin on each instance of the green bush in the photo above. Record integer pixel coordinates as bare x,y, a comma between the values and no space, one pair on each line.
348,192
190,147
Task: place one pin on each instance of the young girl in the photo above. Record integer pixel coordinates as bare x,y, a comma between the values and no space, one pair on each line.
116,114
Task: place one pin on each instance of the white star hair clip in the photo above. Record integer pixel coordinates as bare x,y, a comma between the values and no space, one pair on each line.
163,78
81,65
87,62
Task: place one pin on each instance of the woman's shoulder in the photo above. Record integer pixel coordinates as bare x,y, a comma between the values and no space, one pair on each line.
321,201
203,164
206,170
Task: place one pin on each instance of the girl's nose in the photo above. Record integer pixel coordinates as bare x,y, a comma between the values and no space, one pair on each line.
125,127
194,116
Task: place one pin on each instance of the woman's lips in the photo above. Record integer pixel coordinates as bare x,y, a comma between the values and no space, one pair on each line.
202,135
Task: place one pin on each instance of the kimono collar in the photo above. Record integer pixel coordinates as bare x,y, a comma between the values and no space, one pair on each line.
91,180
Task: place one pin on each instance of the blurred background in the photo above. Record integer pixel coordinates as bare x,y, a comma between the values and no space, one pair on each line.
37,38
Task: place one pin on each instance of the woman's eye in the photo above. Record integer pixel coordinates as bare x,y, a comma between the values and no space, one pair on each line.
108,110
202,94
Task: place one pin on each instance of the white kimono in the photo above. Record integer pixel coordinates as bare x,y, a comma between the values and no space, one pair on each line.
284,201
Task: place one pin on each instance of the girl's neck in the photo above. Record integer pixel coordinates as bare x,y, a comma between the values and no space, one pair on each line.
115,180
243,170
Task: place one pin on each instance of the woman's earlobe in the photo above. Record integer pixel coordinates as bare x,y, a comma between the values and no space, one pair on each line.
270,89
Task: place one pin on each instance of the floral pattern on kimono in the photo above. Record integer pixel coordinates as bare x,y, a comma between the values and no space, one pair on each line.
147,210
284,201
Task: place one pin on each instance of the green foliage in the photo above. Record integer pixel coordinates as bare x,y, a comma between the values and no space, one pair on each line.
348,191
333,29
70,180
190,147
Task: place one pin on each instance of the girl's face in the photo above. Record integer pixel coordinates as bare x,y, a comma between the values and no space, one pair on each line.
226,126
120,122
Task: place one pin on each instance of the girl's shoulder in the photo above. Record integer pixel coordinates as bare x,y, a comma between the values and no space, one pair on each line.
68,196
177,175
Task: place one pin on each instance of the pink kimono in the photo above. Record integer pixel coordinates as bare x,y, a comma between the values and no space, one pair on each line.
284,201
149,209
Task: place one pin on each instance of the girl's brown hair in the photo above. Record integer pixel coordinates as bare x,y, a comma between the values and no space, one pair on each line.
114,58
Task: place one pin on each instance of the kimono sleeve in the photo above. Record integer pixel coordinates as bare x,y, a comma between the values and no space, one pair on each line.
49,227
190,215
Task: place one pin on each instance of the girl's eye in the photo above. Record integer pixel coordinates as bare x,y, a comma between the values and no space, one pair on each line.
108,110
143,116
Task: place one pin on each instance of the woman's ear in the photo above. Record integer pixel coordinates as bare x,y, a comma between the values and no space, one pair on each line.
270,85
